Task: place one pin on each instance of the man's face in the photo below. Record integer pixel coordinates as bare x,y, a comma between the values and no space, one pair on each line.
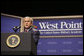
27,22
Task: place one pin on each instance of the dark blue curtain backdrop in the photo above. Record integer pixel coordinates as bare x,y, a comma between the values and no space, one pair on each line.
7,23
59,46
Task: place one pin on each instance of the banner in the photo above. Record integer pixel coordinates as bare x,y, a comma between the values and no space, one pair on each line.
49,27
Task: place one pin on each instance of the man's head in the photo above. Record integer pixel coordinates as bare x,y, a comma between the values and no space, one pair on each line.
27,22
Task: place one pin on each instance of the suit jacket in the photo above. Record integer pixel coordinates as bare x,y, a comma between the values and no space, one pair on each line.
35,34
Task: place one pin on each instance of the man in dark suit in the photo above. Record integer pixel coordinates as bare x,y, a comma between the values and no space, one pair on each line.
28,27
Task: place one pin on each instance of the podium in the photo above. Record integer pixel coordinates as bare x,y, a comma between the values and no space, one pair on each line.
26,44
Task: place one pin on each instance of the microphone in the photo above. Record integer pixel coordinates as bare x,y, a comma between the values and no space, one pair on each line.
15,28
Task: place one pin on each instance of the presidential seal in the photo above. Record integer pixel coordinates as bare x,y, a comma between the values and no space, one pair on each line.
13,41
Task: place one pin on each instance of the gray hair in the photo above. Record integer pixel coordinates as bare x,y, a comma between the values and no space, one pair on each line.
29,18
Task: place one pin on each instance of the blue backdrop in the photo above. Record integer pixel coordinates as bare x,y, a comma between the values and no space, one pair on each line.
59,46
7,23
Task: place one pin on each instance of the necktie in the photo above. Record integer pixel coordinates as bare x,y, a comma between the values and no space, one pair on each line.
26,30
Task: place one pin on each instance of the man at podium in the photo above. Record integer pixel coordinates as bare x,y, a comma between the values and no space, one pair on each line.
18,43
28,27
